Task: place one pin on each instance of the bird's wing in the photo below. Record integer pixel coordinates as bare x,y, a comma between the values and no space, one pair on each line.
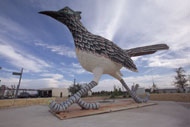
139,51
108,49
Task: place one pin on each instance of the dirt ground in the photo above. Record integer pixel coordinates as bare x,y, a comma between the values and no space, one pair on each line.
179,97
165,114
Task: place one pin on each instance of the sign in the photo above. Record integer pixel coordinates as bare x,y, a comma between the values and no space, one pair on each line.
16,73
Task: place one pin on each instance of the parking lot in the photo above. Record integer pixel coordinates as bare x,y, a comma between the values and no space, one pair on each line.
165,114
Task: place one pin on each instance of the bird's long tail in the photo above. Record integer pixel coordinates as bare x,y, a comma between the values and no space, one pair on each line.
133,94
145,50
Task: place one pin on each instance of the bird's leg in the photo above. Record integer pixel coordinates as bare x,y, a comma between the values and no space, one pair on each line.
76,97
134,88
133,94
84,105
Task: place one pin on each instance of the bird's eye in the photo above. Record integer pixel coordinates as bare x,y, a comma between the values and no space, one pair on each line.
65,10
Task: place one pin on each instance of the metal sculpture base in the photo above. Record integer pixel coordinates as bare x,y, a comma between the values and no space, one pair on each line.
76,98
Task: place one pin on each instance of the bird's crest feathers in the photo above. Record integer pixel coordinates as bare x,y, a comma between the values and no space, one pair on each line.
68,10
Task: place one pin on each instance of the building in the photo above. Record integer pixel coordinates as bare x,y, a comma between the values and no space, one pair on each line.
53,92
140,91
187,89
6,92
168,90
2,91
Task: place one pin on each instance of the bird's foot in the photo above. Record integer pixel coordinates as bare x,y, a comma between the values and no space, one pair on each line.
85,105
133,93
56,107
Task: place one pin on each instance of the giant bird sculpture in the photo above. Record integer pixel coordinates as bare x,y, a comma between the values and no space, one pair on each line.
97,55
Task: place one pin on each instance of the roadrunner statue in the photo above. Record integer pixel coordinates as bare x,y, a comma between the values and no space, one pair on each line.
99,56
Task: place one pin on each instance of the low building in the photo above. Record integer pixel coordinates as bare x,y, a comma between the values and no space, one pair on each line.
2,91
167,90
53,92
6,92
140,91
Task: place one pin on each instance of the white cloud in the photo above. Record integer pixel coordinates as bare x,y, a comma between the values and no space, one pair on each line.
62,63
77,68
107,18
158,22
162,81
8,26
72,70
79,71
22,59
170,63
178,59
58,49
151,22
55,80
76,65
8,70
51,75
47,80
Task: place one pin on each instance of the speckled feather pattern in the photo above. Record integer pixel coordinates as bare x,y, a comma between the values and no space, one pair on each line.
139,51
86,41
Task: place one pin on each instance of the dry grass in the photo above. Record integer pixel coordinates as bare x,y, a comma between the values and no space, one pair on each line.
179,97
23,102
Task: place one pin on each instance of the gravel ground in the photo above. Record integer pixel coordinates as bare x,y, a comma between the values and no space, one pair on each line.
165,114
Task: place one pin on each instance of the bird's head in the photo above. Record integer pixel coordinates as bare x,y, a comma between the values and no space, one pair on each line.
64,15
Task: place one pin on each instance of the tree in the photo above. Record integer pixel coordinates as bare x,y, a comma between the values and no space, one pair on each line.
180,79
116,92
13,87
134,87
137,85
188,79
153,88
74,88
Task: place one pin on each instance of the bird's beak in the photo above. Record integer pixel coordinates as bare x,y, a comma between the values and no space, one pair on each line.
53,14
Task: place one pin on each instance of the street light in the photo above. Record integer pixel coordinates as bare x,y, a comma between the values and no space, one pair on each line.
20,74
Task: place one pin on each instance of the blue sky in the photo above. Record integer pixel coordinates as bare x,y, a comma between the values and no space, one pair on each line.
45,48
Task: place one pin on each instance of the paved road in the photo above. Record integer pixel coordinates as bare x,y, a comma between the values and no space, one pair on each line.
165,114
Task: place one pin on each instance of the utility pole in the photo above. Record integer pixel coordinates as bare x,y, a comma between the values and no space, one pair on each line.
152,78
18,86
0,69
74,81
